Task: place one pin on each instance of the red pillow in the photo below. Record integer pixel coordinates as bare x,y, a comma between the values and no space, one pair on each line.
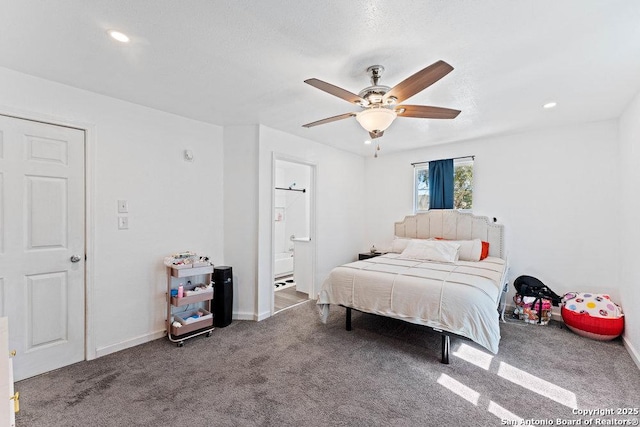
485,250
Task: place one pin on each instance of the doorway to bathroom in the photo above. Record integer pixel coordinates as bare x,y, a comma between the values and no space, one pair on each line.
293,245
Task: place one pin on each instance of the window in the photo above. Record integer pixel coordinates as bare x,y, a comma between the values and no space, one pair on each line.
462,185
421,198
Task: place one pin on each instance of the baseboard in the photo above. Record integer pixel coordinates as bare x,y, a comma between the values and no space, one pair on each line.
243,316
633,352
103,351
262,316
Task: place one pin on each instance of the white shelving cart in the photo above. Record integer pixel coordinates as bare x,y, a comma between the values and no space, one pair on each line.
182,309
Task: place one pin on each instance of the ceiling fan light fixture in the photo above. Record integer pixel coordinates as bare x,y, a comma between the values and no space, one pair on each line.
374,98
376,119
379,102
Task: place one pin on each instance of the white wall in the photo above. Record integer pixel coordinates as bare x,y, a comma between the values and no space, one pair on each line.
280,242
629,229
555,191
248,190
339,206
240,215
173,204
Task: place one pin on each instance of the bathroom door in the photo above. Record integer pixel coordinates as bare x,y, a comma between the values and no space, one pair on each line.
303,268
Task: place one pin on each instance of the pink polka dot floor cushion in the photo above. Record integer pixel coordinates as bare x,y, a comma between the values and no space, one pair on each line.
592,315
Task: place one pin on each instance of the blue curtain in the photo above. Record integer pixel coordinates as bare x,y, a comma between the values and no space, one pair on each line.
441,184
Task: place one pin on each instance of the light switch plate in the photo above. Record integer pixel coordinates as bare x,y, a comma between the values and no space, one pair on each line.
123,223
123,206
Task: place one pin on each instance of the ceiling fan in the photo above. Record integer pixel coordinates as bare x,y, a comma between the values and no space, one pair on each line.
380,103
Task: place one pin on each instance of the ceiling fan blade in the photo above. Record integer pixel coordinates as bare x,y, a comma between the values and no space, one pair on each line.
425,112
375,135
335,91
329,120
419,81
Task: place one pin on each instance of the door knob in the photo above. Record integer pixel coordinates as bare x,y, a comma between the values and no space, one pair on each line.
75,258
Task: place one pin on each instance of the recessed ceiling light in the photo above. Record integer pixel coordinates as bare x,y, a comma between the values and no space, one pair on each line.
549,105
368,141
117,35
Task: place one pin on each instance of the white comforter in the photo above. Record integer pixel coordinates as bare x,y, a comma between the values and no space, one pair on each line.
461,298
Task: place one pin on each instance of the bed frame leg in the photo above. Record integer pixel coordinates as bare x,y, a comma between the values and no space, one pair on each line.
445,349
348,325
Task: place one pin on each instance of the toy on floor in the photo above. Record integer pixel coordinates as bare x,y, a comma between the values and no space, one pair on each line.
532,310
593,316
534,300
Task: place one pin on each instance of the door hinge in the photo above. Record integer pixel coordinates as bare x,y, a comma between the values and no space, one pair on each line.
16,402
12,353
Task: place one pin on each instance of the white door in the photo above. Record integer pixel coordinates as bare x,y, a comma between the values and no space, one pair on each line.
303,268
7,414
41,230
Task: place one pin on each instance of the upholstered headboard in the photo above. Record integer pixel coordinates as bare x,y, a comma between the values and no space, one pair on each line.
453,225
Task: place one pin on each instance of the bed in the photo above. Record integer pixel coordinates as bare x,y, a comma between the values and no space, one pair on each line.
453,297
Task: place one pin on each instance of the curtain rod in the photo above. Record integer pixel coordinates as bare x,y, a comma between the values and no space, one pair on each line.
473,157
303,190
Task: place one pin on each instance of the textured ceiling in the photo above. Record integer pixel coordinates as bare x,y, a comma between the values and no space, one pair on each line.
244,61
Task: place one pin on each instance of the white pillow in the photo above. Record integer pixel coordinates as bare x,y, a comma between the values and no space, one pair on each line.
399,244
432,250
470,250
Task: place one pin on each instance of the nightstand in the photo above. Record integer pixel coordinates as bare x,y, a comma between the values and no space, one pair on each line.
367,255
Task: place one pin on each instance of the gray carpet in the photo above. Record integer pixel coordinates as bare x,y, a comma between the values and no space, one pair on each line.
291,370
